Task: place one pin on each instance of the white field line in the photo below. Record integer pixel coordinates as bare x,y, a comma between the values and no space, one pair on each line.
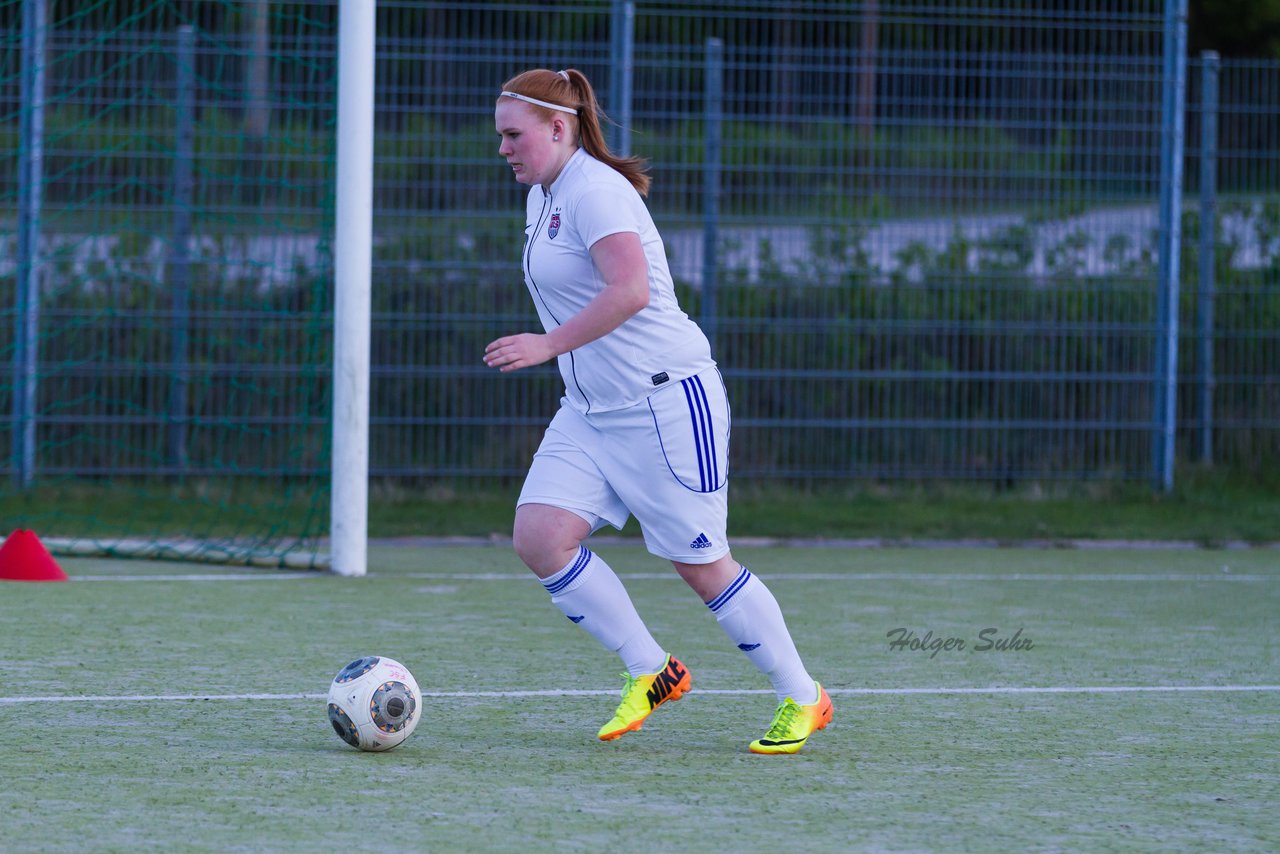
613,692
237,576
909,543
781,576
912,576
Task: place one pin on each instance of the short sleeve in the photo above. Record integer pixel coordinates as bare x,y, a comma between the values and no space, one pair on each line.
604,210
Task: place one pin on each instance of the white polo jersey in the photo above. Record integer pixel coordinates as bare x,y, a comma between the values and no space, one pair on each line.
658,345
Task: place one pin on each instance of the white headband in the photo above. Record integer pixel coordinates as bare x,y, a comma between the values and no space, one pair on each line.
546,104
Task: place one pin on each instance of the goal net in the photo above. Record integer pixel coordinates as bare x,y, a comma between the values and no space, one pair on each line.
166,297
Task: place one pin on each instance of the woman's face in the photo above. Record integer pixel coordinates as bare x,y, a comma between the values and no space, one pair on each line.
527,143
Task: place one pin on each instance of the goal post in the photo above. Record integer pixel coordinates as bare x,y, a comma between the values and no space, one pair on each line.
353,258
169,366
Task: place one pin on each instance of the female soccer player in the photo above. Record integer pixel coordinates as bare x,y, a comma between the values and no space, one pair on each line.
643,427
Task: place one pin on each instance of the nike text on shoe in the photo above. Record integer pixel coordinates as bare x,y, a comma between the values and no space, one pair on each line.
793,724
642,694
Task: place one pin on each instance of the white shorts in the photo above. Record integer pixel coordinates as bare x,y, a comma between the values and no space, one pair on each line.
665,461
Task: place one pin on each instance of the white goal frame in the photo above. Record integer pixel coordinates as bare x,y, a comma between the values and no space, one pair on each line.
353,273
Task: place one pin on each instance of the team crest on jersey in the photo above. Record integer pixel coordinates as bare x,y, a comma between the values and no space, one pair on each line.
554,227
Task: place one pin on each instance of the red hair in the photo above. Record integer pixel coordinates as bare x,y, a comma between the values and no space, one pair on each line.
571,88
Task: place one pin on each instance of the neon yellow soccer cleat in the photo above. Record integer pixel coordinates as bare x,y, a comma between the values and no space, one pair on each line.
793,724
642,694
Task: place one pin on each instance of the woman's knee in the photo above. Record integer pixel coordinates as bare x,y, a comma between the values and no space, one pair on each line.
546,538
709,580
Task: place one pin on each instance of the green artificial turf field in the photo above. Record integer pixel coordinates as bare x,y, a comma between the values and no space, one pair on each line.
161,706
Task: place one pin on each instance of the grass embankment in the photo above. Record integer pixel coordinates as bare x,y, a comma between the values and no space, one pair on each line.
1205,507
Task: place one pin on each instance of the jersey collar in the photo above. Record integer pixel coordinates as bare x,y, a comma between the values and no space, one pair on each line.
571,163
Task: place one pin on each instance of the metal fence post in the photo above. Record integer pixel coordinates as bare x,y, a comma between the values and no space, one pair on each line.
180,248
1171,152
26,351
623,29
714,111
1208,233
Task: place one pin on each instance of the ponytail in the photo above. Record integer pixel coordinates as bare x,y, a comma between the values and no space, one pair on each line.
571,88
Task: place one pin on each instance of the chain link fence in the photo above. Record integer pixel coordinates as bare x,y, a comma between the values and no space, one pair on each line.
925,238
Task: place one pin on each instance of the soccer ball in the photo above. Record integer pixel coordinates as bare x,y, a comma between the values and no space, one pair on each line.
374,703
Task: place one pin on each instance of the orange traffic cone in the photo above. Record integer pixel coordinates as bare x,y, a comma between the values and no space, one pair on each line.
24,558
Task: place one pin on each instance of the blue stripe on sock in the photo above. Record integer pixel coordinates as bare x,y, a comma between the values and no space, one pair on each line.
728,593
584,557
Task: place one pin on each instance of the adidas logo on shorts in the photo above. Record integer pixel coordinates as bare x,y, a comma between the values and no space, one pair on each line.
700,542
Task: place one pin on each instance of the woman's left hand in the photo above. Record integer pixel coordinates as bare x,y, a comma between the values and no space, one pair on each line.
513,352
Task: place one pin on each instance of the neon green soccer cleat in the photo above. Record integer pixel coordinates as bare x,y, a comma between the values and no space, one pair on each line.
793,724
642,694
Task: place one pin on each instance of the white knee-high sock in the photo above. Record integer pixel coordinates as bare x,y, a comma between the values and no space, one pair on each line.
590,594
750,616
